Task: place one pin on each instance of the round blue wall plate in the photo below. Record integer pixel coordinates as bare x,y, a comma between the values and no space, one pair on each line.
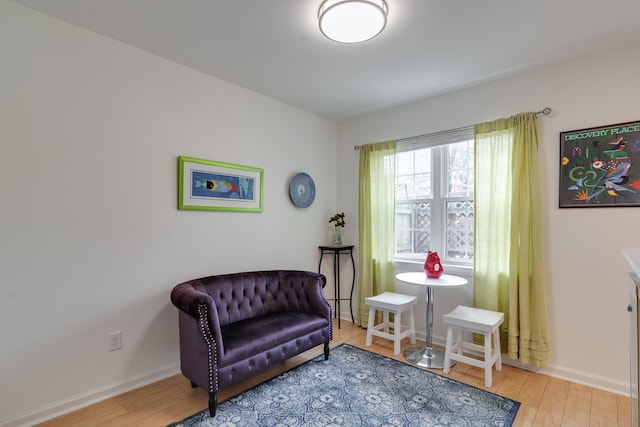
302,190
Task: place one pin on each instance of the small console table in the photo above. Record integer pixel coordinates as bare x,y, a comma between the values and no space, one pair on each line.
336,250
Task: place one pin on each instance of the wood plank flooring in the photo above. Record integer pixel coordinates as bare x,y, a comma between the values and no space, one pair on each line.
545,401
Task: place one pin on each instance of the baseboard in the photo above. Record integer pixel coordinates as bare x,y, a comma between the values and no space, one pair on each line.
572,375
55,409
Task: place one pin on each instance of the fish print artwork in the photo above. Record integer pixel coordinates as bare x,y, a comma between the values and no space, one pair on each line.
222,186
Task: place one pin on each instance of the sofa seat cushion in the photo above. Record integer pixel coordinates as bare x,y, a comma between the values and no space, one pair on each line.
252,336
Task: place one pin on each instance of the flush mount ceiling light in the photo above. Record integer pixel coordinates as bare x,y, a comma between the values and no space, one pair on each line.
352,21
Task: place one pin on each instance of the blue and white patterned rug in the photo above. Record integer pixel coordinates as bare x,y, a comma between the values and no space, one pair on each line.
356,387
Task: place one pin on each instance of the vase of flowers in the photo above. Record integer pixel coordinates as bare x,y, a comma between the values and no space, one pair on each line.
338,224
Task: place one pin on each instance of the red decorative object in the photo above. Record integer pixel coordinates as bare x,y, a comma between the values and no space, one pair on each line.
433,266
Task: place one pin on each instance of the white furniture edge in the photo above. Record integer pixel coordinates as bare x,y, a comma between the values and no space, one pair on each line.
632,255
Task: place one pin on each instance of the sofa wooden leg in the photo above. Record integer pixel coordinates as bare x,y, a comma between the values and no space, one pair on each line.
193,385
213,404
326,351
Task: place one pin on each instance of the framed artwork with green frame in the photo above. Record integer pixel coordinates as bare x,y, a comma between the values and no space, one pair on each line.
217,186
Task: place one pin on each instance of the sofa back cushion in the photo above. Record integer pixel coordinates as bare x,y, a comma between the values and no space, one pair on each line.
241,296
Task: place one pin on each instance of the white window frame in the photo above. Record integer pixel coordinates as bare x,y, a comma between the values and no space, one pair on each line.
439,197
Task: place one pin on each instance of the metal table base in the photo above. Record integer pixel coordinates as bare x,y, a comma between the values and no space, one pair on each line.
426,357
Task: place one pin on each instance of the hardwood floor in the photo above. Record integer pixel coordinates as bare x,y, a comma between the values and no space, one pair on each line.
545,401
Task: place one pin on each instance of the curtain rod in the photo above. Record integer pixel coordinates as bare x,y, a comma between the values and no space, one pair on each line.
545,112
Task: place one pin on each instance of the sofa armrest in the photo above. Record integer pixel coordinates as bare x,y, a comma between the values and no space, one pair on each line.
192,301
318,302
310,298
188,299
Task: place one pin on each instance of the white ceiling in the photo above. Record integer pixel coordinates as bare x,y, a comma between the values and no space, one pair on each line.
429,47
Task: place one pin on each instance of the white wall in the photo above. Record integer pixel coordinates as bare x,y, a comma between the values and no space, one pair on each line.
586,274
91,240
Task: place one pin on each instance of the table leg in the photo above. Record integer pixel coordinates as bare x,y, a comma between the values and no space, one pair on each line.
336,277
427,357
320,263
353,284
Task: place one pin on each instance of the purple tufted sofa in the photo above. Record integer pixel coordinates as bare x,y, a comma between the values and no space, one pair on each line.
233,326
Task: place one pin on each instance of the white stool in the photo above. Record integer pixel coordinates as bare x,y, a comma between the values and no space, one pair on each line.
479,321
389,302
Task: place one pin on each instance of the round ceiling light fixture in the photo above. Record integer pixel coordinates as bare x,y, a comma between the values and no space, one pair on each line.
352,21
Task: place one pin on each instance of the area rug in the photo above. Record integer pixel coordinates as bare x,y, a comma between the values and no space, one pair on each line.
356,387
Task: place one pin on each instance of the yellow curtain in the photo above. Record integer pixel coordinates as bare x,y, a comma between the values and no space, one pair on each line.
508,263
376,223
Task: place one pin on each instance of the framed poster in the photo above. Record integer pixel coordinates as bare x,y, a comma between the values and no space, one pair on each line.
600,166
210,185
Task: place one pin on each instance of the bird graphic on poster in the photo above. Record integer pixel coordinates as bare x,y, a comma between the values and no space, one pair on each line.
615,189
614,169
618,143
615,174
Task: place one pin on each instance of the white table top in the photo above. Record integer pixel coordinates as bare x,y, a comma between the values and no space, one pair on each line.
420,278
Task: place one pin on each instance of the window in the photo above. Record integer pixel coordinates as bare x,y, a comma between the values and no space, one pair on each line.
434,197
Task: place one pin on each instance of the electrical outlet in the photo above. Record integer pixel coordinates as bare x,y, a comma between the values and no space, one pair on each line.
115,341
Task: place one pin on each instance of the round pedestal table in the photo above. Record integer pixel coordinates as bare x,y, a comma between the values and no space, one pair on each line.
428,357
